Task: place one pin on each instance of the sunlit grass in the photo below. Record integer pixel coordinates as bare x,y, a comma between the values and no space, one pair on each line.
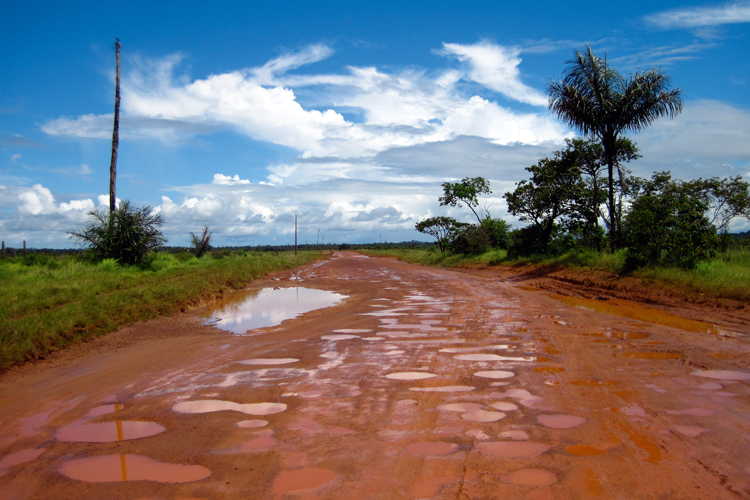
46,307
726,276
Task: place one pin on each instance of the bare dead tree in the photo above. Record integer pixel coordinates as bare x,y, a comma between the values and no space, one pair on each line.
115,134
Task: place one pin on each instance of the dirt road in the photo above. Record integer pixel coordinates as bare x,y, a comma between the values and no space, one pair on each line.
423,383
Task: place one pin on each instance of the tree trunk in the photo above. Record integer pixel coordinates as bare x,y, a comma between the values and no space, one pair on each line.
609,151
115,136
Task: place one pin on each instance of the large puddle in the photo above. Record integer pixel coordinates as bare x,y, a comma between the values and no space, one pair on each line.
268,307
636,311
126,467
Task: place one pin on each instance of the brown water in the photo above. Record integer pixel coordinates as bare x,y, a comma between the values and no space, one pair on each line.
512,449
107,432
634,310
430,487
530,477
127,467
462,407
502,406
722,374
302,479
245,311
252,424
19,457
431,448
560,421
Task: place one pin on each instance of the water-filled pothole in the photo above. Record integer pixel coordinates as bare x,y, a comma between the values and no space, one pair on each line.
108,432
268,307
126,467
633,310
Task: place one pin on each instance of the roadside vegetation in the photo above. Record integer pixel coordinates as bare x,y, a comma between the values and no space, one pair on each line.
50,302
582,207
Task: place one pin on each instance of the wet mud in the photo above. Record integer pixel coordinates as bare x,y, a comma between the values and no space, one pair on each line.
421,383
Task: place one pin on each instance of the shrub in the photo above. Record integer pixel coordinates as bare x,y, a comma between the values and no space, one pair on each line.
127,235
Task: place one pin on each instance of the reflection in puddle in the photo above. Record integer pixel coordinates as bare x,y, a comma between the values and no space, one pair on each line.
637,311
431,448
560,421
302,479
245,311
689,430
339,337
583,450
497,374
710,386
261,443
211,405
446,388
618,335
504,406
108,432
252,424
462,407
268,361
722,374
117,468
530,477
515,435
410,375
512,449
483,416
696,412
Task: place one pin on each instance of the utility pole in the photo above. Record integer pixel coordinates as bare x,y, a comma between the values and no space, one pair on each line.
115,134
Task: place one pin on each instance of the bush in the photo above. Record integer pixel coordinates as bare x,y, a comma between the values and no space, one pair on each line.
667,226
201,243
470,239
127,235
498,232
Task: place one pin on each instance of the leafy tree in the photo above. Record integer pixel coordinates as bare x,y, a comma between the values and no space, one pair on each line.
667,224
127,235
441,228
466,191
201,243
590,158
550,195
595,99
498,232
727,198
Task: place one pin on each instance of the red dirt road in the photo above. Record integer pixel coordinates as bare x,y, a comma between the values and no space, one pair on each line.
434,384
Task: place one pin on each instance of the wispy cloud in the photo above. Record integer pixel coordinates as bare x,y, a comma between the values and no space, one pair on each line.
666,55
696,17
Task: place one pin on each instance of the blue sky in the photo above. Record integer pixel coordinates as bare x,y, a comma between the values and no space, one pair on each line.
237,115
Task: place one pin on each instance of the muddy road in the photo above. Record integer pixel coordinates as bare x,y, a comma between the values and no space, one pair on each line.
422,383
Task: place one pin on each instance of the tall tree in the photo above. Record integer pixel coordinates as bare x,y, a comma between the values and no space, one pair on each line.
465,191
115,134
595,99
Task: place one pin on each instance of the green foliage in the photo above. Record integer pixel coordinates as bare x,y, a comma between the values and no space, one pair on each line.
498,232
595,99
550,195
45,309
127,235
667,225
201,243
441,228
470,239
466,191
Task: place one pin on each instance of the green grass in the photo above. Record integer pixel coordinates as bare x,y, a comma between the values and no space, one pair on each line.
47,306
726,276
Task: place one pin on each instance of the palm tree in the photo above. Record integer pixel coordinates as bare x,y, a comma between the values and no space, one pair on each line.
595,99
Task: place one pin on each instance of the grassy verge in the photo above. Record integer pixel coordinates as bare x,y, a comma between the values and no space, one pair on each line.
726,276
46,307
